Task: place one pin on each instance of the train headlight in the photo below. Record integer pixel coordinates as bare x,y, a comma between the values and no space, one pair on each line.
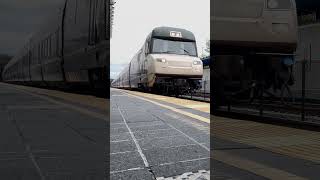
273,4
161,60
197,62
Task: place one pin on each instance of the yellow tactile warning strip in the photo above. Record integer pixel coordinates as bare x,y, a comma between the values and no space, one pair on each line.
253,167
197,105
287,141
194,116
87,100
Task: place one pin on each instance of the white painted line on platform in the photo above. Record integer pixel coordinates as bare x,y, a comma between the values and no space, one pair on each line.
122,152
160,137
151,130
122,171
172,147
190,160
126,140
135,140
205,147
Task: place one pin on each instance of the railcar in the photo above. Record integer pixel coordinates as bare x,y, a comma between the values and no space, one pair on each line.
167,62
71,48
253,44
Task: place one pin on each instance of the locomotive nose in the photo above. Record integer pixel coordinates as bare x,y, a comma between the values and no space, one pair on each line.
177,65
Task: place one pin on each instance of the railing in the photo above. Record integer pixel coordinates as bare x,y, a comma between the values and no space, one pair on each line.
202,94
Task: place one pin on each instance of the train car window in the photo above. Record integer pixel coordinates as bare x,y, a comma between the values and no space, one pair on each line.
41,54
50,47
279,4
44,49
58,41
92,23
33,55
239,9
47,47
75,11
38,53
53,47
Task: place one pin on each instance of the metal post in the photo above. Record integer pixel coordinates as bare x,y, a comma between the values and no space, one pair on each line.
261,100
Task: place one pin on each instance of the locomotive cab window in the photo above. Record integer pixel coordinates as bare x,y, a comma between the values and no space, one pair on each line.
279,4
174,47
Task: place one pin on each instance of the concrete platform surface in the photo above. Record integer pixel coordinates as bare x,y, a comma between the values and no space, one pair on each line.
47,137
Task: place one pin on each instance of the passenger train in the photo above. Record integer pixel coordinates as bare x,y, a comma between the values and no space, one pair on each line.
70,49
167,62
253,44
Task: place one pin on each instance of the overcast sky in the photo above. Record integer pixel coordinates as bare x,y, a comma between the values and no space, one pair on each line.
134,20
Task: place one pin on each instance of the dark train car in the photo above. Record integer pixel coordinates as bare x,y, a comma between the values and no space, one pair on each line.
70,49
253,45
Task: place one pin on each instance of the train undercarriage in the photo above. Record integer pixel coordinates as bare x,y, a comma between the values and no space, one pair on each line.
175,86
251,78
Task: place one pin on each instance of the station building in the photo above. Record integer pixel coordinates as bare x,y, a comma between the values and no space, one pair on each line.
206,75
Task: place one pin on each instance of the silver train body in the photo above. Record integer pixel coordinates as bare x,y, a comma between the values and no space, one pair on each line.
71,48
251,41
168,58
259,26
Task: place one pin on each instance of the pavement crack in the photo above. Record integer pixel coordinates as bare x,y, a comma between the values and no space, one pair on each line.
152,172
80,133
25,143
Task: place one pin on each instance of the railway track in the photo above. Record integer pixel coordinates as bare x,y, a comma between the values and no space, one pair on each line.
199,96
293,112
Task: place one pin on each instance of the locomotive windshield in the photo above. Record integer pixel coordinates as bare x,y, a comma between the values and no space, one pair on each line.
174,47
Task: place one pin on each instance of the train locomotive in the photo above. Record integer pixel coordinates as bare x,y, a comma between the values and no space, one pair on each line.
168,62
253,44
72,48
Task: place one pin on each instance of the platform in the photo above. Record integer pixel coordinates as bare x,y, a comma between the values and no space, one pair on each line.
157,137
48,134
255,150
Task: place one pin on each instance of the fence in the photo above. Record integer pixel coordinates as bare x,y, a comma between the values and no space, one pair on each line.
202,94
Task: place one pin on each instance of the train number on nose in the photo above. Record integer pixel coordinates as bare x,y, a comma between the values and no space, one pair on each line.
176,34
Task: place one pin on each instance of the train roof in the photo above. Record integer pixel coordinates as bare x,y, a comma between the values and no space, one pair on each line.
173,33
